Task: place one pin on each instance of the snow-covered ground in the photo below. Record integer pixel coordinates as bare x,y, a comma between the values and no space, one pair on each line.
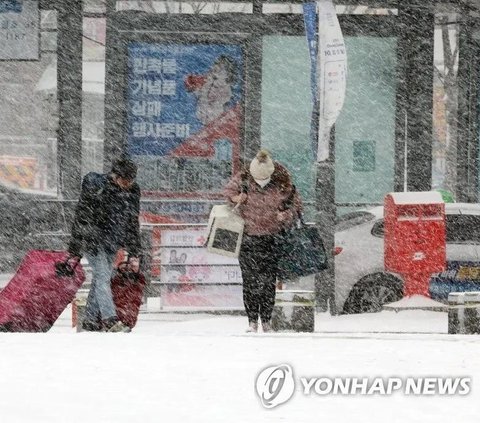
202,368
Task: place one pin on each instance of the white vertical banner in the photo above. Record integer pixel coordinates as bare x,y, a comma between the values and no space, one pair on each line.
331,73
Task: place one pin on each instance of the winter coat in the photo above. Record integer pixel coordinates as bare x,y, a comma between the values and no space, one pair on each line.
260,210
106,216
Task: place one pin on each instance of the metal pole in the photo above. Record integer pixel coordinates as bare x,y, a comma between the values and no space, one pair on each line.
69,90
115,56
325,221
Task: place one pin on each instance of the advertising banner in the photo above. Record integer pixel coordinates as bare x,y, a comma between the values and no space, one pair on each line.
183,237
200,297
19,30
201,274
185,115
332,73
189,276
195,256
19,172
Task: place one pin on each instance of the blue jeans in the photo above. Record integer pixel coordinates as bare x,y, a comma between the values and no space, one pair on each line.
100,303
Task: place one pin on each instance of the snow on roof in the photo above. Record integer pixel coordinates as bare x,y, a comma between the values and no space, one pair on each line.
450,208
464,208
418,197
416,301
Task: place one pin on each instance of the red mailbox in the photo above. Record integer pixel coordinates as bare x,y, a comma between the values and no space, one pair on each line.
414,243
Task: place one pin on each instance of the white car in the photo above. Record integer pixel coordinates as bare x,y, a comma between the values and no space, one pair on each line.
363,285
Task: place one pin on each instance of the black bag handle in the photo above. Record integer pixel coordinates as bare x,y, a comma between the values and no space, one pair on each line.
244,186
124,271
288,204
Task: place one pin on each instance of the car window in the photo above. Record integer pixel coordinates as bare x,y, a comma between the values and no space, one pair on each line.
460,228
463,228
349,220
378,229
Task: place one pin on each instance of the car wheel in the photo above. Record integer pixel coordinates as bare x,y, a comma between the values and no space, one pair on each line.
372,292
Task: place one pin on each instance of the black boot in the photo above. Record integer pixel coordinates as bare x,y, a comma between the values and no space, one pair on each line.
114,325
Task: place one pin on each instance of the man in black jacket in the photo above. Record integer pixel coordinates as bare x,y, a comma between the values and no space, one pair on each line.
106,220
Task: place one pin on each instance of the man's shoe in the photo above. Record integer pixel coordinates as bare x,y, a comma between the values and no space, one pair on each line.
89,326
252,327
115,325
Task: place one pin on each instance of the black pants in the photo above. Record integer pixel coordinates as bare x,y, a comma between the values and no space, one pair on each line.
258,261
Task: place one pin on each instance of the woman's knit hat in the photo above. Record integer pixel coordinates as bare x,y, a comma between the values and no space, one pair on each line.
262,166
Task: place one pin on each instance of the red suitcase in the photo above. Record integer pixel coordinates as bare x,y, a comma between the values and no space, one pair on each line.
127,292
38,293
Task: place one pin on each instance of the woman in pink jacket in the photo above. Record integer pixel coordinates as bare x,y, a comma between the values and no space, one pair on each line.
269,203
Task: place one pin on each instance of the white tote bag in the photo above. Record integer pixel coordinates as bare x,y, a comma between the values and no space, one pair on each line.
225,231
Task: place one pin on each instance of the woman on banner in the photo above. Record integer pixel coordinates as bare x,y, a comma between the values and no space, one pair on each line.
214,89
268,203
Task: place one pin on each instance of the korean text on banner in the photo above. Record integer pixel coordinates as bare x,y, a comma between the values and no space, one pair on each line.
184,115
331,72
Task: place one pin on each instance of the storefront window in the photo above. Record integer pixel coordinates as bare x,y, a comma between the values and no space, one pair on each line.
28,100
364,131
287,107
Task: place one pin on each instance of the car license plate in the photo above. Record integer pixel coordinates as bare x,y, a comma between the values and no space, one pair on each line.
468,273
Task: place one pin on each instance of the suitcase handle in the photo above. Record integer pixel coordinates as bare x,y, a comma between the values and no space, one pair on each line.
124,271
65,269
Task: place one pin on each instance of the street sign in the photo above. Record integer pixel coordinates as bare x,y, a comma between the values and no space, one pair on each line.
332,73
